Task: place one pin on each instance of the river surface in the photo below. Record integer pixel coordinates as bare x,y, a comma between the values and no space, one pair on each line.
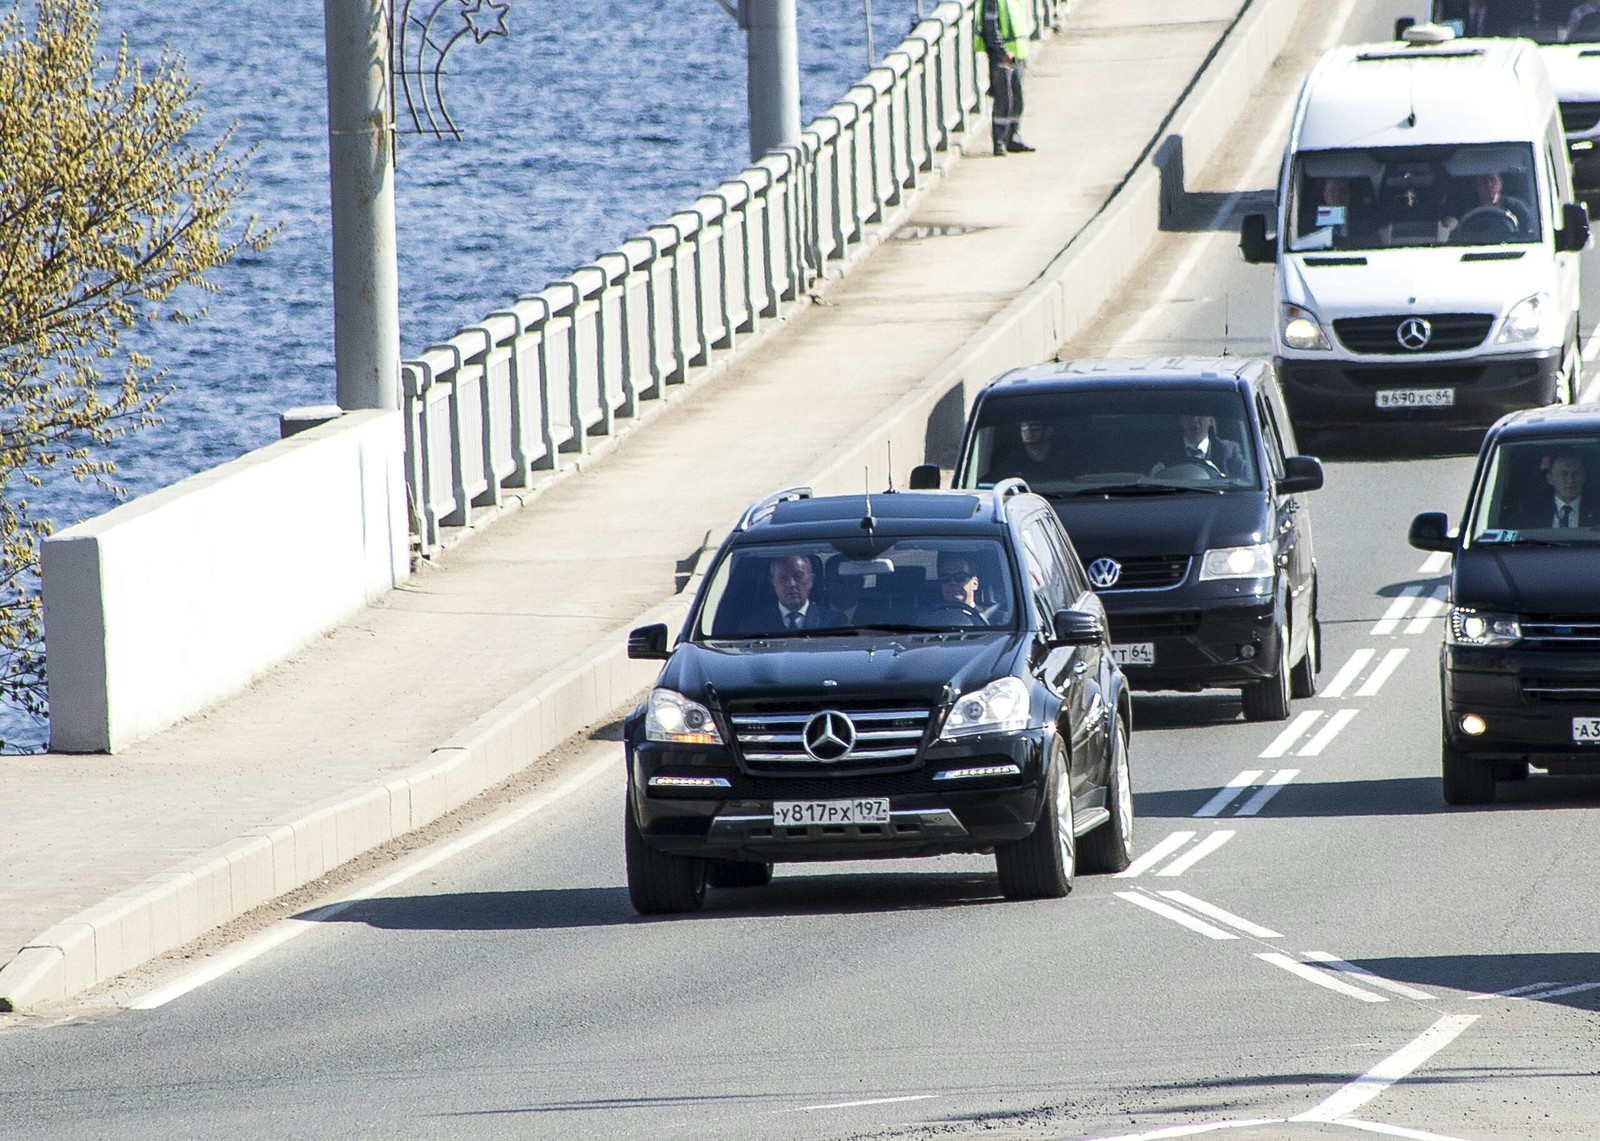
587,123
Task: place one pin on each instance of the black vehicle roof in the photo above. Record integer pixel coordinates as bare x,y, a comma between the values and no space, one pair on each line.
1131,372
900,514
1542,423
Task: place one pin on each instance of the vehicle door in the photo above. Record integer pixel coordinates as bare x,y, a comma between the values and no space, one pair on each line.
1557,177
1295,554
1071,673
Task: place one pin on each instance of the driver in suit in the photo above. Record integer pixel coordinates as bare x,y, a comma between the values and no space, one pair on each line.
1198,442
1562,503
793,608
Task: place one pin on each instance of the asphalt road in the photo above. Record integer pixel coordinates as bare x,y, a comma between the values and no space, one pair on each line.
1309,940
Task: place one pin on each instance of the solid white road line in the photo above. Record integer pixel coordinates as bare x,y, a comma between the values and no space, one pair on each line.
1225,796
287,929
1327,733
1391,662
1436,563
1320,977
1514,992
1397,610
1430,608
1394,1130
1559,991
1195,1130
1392,1069
869,1101
1322,958
1172,913
1348,673
1212,911
1195,854
1155,855
1269,790
1281,743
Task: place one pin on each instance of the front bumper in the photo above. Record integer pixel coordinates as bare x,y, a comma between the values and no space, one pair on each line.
1334,392
928,815
1199,642
1528,700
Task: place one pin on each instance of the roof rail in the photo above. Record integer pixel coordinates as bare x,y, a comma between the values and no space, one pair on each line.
1003,491
764,506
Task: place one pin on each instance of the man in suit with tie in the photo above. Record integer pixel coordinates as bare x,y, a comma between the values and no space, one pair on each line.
1200,444
793,579
1563,505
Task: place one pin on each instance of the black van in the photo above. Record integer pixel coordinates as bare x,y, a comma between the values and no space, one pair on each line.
1520,668
1178,482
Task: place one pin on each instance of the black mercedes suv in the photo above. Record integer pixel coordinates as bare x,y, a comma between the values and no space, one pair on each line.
1520,668
884,675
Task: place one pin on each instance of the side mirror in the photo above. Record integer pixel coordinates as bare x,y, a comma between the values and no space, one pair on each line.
1078,628
1574,233
649,642
1430,531
1257,247
1401,25
925,477
1300,473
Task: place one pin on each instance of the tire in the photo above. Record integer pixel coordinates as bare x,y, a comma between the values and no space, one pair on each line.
1467,779
1109,848
737,873
1303,678
1041,865
1268,699
660,883
1569,379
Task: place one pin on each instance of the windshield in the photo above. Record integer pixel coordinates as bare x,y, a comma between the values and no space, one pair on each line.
1548,21
1537,491
838,587
1385,197
1125,441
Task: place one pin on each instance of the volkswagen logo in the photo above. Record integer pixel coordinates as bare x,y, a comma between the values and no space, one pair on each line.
1104,573
1414,333
829,735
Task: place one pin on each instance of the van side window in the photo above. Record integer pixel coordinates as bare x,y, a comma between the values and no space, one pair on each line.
1560,173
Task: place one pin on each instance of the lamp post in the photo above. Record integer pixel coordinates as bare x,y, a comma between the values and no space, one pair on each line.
773,72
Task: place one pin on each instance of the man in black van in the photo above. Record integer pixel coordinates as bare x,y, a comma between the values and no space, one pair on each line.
1562,503
1197,441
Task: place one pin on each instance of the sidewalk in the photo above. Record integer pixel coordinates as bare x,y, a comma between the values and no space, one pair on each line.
542,586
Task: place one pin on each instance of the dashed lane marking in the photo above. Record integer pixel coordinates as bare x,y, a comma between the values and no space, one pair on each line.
1396,611
1183,918
1435,563
868,1101
1195,854
1212,911
1169,847
1285,740
1348,673
1275,784
1392,1069
1327,733
1323,959
1155,855
1229,792
1391,662
1320,977
1429,608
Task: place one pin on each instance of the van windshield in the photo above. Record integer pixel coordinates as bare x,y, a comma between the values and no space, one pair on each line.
1115,441
1483,194
1547,21
1540,491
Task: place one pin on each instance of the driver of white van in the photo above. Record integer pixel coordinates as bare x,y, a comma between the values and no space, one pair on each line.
1491,202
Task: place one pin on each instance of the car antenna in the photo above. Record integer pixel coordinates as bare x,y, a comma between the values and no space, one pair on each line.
868,523
889,445
1225,296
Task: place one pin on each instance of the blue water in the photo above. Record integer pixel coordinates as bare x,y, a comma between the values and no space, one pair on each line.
590,121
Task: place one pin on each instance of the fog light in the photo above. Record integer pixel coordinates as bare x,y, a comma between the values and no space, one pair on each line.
1247,652
1473,725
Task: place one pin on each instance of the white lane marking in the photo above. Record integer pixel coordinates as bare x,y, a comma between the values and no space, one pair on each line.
1155,855
1172,913
1322,958
1559,991
1431,608
1225,795
1195,854
289,928
1391,662
1281,743
1327,733
1394,1130
1195,1130
1269,790
1435,563
1514,992
869,1101
1392,1069
1212,911
1397,610
1348,673
1320,977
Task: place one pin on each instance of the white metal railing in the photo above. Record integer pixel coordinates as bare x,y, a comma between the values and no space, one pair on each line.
504,399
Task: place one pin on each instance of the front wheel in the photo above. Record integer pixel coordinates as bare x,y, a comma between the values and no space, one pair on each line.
660,883
1467,779
1109,848
1041,864
1303,678
1268,699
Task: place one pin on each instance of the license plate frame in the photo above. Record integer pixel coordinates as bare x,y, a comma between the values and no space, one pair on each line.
1586,732
1137,655
1389,398
823,813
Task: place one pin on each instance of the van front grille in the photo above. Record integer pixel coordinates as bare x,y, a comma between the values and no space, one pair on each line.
1450,332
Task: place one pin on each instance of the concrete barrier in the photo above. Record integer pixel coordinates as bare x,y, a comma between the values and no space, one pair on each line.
169,603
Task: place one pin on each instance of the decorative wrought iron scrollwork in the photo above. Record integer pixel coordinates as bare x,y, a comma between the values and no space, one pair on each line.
421,41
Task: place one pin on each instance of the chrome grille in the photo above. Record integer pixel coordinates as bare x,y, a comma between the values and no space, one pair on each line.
1561,690
1147,572
1452,332
773,737
1557,633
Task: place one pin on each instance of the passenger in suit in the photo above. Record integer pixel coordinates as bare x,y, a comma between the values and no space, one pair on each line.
1561,504
793,607
1198,442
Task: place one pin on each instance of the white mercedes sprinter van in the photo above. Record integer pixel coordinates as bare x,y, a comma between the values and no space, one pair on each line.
1427,242
1568,35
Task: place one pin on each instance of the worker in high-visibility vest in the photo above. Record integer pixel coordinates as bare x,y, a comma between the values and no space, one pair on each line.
1006,26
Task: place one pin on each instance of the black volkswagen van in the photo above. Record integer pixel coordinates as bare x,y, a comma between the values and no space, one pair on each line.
1520,668
1178,482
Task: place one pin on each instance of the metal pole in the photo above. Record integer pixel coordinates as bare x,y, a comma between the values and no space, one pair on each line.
773,56
872,56
366,289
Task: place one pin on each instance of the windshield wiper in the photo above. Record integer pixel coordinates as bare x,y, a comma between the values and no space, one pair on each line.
1146,489
1526,541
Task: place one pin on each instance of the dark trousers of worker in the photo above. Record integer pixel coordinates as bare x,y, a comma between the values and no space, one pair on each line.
1005,90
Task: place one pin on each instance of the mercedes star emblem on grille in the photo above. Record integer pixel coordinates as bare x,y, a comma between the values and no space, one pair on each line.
1414,333
830,735
1104,573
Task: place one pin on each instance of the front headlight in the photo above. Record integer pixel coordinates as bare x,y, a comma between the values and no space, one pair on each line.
673,718
1470,627
1302,330
1525,320
999,707
1254,561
